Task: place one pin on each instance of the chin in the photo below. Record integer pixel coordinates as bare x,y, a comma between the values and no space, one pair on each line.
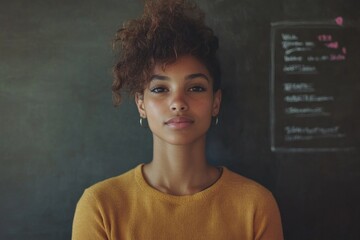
182,140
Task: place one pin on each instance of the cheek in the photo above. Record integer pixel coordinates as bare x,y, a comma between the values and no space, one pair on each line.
205,107
153,111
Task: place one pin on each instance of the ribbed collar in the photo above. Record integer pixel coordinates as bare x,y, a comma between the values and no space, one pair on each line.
206,193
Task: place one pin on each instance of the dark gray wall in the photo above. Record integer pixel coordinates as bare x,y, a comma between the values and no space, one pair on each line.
59,132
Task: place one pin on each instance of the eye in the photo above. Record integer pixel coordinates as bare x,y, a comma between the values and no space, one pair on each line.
158,90
197,89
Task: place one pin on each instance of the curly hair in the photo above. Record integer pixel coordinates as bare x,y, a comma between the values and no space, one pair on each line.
167,30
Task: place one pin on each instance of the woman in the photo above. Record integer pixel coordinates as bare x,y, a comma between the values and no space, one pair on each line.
168,62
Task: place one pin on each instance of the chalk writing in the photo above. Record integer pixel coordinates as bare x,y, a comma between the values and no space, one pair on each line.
311,131
310,44
337,57
293,58
297,49
307,110
290,138
298,87
325,38
289,37
288,44
299,68
334,45
307,98
318,58
294,133
308,68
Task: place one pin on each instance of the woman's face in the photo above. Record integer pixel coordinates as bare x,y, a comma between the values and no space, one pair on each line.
179,101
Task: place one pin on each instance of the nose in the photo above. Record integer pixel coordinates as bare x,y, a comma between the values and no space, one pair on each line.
179,103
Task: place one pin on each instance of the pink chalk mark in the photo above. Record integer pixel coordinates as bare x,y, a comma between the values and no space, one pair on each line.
324,37
339,21
334,45
344,50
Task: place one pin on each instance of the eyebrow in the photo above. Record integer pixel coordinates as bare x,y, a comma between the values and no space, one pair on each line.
189,77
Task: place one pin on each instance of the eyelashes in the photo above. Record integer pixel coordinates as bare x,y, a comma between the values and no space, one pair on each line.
197,89
158,90
164,89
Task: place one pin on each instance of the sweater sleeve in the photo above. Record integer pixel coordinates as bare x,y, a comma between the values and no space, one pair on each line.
88,220
267,222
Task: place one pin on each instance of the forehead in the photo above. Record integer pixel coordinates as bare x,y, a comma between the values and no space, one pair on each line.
183,65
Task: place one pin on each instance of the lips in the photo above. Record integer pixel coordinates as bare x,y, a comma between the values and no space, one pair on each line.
179,122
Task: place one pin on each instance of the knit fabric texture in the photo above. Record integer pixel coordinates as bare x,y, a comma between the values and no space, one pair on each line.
126,207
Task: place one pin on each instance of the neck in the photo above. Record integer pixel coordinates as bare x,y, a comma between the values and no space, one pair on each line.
180,169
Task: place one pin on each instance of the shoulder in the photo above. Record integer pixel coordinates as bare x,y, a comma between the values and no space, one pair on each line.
251,198
112,188
242,187
255,201
108,196
101,204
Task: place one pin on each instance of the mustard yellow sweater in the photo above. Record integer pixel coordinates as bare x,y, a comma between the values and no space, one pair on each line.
126,207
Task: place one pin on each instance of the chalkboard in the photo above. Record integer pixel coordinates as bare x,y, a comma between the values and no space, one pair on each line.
312,86
59,132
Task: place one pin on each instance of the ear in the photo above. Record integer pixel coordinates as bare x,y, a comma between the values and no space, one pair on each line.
216,103
139,100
